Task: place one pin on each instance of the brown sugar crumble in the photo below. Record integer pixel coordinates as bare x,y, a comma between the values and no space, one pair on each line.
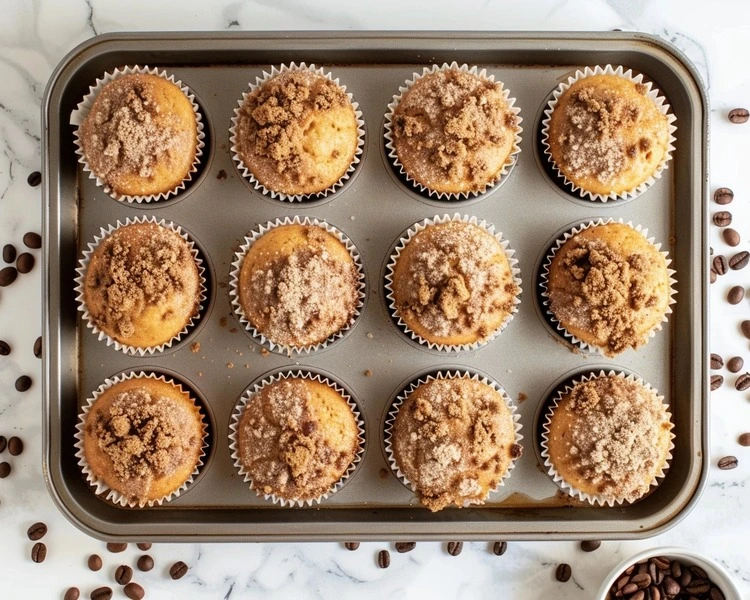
195,347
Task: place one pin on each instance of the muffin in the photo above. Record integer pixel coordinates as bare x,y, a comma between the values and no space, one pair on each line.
452,283
453,440
140,137
298,285
608,286
606,134
142,438
608,438
453,131
142,286
297,133
297,438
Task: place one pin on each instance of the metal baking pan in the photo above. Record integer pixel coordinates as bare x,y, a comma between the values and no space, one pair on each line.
527,359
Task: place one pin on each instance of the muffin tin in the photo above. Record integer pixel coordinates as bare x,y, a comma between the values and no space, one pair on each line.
373,208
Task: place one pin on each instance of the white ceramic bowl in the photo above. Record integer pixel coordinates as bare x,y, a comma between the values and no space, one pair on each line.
716,573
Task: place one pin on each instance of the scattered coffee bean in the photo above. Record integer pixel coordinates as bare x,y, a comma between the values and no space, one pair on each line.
744,439
739,260
743,382
37,531
722,218
736,294
720,264
4,470
403,547
116,547
7,276
728,462
101,593
455,548
134,591
723,195
4,348
351,546
144,546
123,574
731,236
222,174
15,446
563,572
72,593
712,275
25,263
32,240
95,562
9,253
34,179
590,545
499,548
739,115
145,563
3,444
745,327
23,383
716,381
39,552
38,347
178,570
384,559
716,361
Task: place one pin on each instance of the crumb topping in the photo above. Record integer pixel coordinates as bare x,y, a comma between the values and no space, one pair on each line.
454,440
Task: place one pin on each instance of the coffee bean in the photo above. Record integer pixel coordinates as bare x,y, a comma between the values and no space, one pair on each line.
134,591
716,361
455,548
9,253
723,195
629,588
731,236
499,548
95,562
34,179
3,444
25,263
739,260
563,572
698,572
72,593
744,439
642,580
716,594
7,276
403,547
178,570
739,115
728,462
676,569
123,574
15,446
38,347
39,552
621,583
101,593
722,218
720,264
351,545
639,595
743,382
661,562
712,276
145,563
32,240
590,545
384,559
655,593
116,547
716,381
144,546
697,586
736,294
671,587
37,531
745,328
23,383
4,470
4,348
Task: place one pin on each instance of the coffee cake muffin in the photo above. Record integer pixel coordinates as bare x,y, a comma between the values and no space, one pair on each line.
608,286
140,137
608,438
298,285
141,285
451,283
607,134
452,130
142,438
297,133
453,440
296,438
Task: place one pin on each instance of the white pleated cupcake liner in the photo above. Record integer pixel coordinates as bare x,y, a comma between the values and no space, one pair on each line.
81,278
388,133
544,278
399,248
552,471
234,279
265,381
248,175
653,93
78,116
448,373
100,487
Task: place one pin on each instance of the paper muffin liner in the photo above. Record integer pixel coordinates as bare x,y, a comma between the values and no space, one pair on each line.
399,248
544,278
458,373
78,116
234,279
247,174
388,133
100,487
555,475
80,286
239,410
653,93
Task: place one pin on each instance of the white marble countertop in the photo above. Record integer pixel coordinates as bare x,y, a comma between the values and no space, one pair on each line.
34,36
